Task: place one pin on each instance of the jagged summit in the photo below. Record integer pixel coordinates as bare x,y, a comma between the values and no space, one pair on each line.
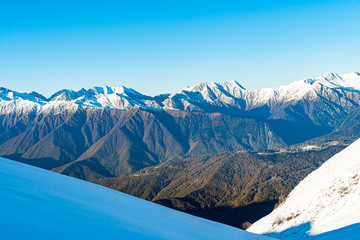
343,81
8,94
213,85
222,94
96,91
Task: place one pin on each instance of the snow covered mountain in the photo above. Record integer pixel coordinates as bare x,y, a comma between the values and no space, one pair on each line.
97,97
321,101
326,200
39,204
114,131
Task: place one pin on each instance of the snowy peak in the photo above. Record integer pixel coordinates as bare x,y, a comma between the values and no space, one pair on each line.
294,91
350,81
65,95
214,85
68,94
342,89
230,86
101,90
10,95
223,94
121,90
20,102
327,199
102,97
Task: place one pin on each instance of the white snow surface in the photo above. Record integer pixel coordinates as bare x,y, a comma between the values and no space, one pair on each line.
224,94
326,200
39,204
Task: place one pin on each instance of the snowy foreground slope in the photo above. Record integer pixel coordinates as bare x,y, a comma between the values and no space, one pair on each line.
326,200
39,204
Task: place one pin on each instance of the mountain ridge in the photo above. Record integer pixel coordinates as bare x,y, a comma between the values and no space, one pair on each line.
144,131
228,93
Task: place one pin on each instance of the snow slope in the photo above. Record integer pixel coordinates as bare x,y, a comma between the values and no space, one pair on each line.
326,200
39,204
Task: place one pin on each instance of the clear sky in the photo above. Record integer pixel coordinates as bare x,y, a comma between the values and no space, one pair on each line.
163,46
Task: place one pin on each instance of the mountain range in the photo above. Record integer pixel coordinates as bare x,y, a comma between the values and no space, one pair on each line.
205,118
338,90
156,147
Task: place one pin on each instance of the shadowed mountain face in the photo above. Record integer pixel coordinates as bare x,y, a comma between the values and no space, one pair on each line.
348,130
96,143
349,127
48,140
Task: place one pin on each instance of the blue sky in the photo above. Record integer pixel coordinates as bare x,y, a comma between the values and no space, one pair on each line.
164,46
